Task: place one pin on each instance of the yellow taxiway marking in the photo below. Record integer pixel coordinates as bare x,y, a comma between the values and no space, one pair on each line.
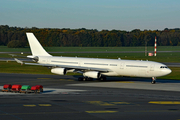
29,105
164,102
46,105
36,113
101,103
101,111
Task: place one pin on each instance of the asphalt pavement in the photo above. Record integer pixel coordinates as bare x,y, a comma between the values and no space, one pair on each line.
65,98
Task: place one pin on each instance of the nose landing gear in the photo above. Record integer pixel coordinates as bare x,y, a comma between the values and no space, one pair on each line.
153,80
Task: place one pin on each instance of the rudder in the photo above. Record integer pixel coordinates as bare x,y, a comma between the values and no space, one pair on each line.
36,48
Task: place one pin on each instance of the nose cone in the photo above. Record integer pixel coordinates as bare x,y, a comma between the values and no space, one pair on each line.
166,71
169,71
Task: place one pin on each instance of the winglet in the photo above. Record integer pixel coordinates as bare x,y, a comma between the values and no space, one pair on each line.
36,48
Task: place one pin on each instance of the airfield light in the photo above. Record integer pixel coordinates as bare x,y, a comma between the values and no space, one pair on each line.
155,45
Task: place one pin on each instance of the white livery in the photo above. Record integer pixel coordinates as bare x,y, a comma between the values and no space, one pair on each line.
94,67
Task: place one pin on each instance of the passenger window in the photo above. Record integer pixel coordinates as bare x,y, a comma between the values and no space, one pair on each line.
163,67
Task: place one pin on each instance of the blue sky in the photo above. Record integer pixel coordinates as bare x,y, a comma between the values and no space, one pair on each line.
91,14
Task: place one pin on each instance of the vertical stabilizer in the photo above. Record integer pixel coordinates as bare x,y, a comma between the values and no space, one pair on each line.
36,48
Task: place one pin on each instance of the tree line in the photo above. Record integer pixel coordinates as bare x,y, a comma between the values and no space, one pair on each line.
88,37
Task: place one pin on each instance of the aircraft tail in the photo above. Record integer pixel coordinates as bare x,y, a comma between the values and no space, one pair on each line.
36,48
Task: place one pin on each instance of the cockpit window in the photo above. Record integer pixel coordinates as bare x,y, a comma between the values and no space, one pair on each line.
163,67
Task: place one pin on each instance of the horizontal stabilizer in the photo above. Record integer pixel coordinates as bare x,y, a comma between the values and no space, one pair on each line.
18,61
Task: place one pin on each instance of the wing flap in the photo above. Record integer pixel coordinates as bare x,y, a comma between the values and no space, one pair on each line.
18,61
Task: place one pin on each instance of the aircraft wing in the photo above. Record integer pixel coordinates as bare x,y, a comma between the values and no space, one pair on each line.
72,67
68,66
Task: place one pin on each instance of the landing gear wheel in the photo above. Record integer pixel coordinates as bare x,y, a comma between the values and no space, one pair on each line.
85,79
153,80
102,79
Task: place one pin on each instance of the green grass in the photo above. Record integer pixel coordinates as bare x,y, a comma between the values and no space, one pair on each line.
14,67
161,57
6,49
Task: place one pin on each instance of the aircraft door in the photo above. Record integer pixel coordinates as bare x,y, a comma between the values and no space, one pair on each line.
122,65
152,67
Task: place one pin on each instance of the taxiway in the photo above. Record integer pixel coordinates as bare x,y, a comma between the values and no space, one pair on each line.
66,98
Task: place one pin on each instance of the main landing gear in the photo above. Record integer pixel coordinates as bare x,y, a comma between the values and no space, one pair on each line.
102,78
153,80
85,79
91,79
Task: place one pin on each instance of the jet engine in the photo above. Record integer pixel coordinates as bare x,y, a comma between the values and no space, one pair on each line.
59,71
92,74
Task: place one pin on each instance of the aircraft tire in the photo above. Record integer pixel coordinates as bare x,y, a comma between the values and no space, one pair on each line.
85,79
153,82
102,79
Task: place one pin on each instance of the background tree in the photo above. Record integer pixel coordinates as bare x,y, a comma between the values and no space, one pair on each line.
16,44
91,37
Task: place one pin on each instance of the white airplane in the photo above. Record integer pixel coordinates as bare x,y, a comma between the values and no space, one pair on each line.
94,67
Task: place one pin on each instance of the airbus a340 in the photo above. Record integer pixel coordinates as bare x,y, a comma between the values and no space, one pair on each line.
94,67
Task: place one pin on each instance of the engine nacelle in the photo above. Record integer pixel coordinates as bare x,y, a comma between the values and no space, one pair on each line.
92,74
59,71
